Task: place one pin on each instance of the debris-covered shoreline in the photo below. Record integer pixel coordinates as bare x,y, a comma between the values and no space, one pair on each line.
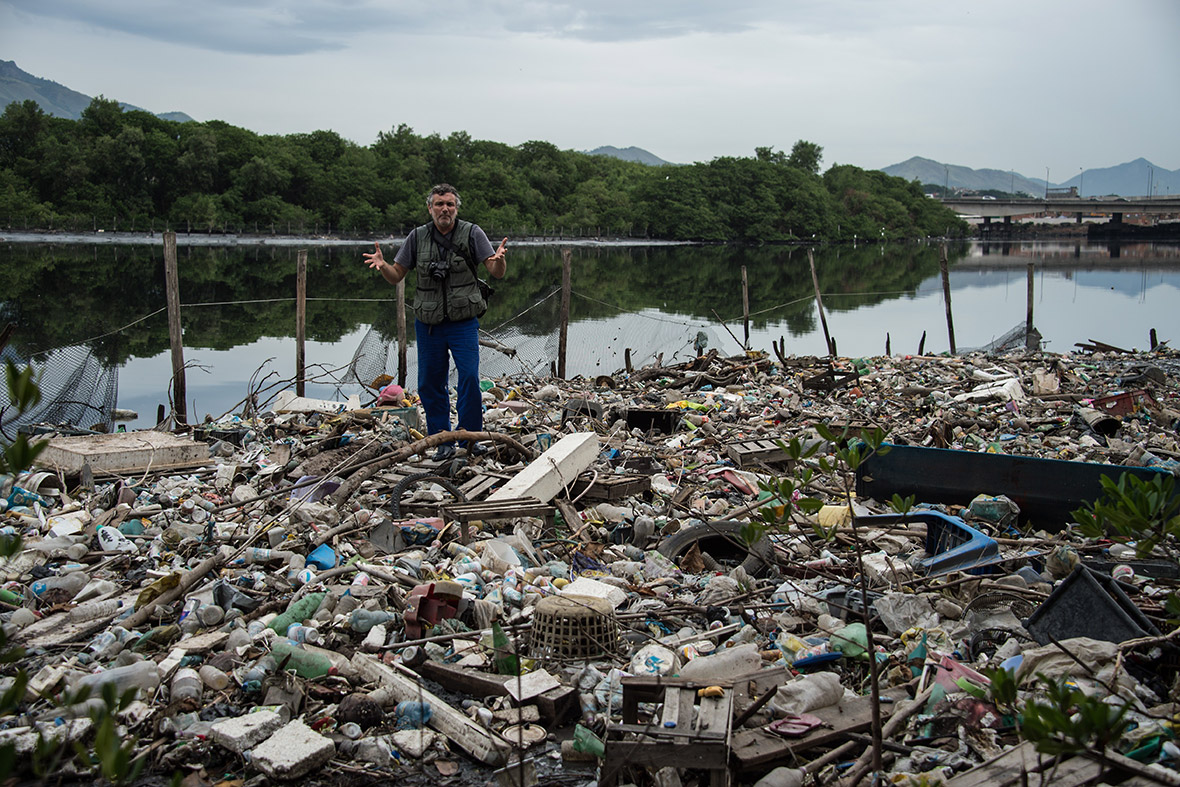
622,589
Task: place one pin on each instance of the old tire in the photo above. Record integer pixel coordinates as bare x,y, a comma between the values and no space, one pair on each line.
722,540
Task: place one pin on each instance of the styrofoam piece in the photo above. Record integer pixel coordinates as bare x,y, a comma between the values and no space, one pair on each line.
243,733
293,751
585,586
121,452
288,402
553,470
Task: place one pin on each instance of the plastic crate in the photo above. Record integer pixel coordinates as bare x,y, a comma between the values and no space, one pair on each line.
951,544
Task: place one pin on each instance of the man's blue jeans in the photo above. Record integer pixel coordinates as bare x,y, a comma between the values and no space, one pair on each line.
436,345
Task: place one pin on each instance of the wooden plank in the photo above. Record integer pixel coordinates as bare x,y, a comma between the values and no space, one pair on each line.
450,721
757,747
549,473
1016,766
464,680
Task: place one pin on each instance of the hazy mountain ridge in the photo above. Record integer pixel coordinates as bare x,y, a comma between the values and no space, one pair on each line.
1130,179
55,99
630,154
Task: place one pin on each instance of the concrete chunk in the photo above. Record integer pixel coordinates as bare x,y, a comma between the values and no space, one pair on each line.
293,751
245,732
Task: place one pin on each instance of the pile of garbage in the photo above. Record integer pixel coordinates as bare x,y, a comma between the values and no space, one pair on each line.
734,570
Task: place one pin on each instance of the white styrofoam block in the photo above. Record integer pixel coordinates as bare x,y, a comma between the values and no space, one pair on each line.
293,751
242,733
585,586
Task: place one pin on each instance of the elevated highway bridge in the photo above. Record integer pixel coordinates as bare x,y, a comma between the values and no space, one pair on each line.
1114,207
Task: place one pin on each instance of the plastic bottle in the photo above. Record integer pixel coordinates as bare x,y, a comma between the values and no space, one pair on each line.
108,643
186,686
298,612
363,620
70,583
260,669
92,610
299,633
724,664
303,663
213,677
141,674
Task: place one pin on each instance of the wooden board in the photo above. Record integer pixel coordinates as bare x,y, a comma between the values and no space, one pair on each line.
1022,763
480,743
760,749
123,452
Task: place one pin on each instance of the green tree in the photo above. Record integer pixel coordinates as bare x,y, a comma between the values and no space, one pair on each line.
806,156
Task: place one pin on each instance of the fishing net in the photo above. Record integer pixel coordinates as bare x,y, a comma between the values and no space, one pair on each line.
77,389
527,345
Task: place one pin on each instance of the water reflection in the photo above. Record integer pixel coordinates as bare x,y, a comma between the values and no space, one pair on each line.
239,305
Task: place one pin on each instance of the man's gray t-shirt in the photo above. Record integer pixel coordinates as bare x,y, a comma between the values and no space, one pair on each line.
407,255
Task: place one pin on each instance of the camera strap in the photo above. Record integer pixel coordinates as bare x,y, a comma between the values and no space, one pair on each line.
445,242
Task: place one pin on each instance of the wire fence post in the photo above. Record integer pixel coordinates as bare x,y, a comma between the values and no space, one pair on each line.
300,322
402,362
175,335
563,335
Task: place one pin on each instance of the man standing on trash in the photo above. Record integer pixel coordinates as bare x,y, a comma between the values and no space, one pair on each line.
447,306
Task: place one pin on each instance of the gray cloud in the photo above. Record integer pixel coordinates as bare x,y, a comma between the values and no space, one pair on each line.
292,27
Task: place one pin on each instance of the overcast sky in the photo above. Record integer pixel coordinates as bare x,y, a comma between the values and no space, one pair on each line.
1004,84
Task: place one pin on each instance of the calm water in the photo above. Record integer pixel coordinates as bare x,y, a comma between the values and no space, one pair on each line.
239,313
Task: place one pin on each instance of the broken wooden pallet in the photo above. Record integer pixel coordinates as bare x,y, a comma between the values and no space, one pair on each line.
609,487
691,732
752,452
490,510
830,380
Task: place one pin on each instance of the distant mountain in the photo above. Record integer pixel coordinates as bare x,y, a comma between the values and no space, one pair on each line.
953,176
1125,180
1131,179
54,99
630,154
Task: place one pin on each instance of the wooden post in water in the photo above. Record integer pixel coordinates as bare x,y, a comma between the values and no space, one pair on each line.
300,321
1153,339
746,308
175,335
887,353
563,335
402,363
1029,342
922,344
946,295
819,301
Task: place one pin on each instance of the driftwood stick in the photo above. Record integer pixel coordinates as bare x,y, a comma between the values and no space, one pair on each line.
141,615
349,487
